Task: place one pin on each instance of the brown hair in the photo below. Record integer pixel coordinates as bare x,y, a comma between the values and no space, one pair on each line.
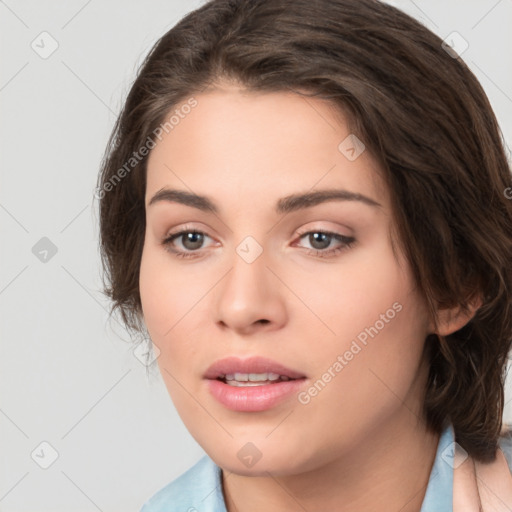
420,112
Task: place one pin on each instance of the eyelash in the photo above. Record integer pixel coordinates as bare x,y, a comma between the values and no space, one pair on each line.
322,253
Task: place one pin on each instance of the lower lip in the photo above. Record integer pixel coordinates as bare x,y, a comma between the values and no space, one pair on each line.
253,398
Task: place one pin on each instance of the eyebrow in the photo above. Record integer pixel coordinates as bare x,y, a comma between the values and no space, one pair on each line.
286,204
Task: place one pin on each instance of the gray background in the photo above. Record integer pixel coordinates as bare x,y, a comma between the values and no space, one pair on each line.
68,377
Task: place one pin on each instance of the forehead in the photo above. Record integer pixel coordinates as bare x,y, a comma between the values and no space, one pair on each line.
244,147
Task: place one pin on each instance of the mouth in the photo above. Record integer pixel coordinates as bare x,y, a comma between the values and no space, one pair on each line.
252,384
252,379
250,371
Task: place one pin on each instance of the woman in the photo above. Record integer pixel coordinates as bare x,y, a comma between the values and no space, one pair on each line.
304,205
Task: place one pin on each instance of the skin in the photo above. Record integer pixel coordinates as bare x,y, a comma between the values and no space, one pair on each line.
361,444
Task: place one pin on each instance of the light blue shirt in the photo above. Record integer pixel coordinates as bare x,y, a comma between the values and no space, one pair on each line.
200,488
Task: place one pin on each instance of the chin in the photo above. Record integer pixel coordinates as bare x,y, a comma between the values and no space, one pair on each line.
277,464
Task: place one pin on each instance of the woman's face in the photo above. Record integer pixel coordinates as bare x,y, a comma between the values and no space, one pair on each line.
337,314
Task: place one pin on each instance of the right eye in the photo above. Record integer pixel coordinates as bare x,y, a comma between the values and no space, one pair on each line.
191,240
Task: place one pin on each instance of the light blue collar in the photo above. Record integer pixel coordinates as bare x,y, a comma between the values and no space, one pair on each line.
439,493
199,489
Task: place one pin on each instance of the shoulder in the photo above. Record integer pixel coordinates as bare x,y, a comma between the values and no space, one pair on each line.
505,443
197,488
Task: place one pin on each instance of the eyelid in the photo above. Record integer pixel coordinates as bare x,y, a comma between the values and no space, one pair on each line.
333,231
185,227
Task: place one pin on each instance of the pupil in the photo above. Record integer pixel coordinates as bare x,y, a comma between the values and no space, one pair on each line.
314,239
191,238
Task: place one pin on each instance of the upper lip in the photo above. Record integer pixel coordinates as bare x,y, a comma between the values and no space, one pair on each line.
231,365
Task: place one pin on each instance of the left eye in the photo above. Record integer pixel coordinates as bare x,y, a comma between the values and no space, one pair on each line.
321,240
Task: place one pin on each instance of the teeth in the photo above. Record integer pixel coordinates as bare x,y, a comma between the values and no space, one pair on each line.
246,384
252,379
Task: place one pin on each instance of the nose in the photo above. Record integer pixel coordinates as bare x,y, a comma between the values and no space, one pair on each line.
250,298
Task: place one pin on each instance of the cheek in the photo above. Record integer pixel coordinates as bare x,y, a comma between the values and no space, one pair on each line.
390,321
163,297
386,354
152,294
174,305
166,292
351,296
373,381
380,323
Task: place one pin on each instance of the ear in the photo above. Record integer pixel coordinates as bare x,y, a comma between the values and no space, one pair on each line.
450,320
